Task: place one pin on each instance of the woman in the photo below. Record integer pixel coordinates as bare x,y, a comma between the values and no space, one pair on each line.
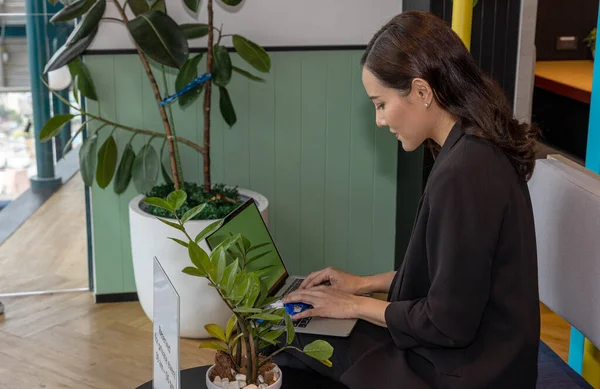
463,309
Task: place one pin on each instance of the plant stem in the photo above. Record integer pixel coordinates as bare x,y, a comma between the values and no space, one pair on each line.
177,156
238,347
161,110
126,128
275,353
113,20
252,367
207,98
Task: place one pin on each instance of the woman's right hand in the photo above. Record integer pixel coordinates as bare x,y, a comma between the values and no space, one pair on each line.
340,280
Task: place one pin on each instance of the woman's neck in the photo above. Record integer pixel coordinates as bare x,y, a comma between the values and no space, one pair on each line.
443,127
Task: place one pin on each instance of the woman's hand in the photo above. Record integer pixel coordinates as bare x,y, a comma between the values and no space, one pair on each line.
342,281
326,301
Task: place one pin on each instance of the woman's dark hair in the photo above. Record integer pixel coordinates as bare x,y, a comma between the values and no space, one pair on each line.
417,44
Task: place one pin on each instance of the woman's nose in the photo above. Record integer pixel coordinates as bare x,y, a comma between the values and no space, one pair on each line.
380,121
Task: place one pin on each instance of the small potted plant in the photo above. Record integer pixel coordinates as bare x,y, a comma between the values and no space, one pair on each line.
590,40
254,325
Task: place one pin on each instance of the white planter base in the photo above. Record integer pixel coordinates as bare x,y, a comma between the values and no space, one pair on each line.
199,303
211,385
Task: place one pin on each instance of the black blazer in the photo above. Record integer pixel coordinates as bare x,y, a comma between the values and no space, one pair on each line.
464,309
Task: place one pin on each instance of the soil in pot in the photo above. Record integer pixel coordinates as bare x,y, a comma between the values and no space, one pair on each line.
220,201
224,369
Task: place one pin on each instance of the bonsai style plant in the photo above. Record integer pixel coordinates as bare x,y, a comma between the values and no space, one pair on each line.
161,39
160,43
252,327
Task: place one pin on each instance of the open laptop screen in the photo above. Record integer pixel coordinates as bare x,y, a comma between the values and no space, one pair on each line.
248,221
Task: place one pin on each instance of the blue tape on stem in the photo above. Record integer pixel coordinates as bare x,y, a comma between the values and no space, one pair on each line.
195,83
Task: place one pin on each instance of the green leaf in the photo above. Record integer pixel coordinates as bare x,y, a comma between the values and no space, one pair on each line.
215,331
75,91
248,75
257,257
221,265
82,79
222,66
90,23
69,51
289,324
232,2
107,162
252,53
194,271
139,6
266,316
214,346
227,243
230,327
158,202
327,363
177,199
258,246
145,169
273,335
192,5
160,37
319,350
193,212
195,30
264,272
177,226
187,74
247,310
159,5
246,243
87,159
181,242
123,176
253,290
235,340
54,126
240,286
209,230
226,106
199,257
229,276
72,11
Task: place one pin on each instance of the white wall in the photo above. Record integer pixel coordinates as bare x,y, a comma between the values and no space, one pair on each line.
278,23
525,61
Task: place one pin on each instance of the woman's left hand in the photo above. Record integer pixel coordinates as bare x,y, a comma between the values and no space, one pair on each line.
326,302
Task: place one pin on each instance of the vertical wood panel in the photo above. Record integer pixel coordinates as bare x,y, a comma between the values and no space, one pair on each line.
288,138
362,159
261,124
106,213
337,198
128,83
312,176
306,139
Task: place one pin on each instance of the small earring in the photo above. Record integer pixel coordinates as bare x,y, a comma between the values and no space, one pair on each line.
427,105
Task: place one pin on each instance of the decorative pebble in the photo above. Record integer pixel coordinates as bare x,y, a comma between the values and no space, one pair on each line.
234,385
242,384
261,379
263,386
225,382
218,382
251,386
233,372
240,377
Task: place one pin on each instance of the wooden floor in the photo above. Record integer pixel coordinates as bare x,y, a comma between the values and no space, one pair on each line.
49,251
65,340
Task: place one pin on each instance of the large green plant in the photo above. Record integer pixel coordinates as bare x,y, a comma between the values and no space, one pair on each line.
159,38
250,329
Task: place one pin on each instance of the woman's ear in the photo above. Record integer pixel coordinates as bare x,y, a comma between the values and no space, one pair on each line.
423,91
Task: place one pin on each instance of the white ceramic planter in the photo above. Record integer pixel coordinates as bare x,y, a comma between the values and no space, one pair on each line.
199,303
211,385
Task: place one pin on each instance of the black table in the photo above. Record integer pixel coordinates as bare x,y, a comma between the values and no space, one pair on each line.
195,378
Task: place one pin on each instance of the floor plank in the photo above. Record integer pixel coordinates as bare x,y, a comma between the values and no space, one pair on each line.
49,251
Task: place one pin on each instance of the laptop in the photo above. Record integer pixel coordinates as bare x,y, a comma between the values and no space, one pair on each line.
247,220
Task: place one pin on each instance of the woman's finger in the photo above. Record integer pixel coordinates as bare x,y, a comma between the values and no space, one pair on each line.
319,278
313,279
314,312
307,296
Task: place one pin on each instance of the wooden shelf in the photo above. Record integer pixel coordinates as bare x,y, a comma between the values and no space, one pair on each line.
571,79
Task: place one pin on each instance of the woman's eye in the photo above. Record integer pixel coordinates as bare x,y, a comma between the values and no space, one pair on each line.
380,106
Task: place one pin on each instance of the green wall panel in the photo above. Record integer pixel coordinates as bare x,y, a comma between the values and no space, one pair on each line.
306,139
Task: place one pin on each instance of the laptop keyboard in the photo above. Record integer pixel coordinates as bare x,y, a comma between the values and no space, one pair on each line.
292,287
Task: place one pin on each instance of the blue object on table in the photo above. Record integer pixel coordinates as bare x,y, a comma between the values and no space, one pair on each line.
193,84
290,308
